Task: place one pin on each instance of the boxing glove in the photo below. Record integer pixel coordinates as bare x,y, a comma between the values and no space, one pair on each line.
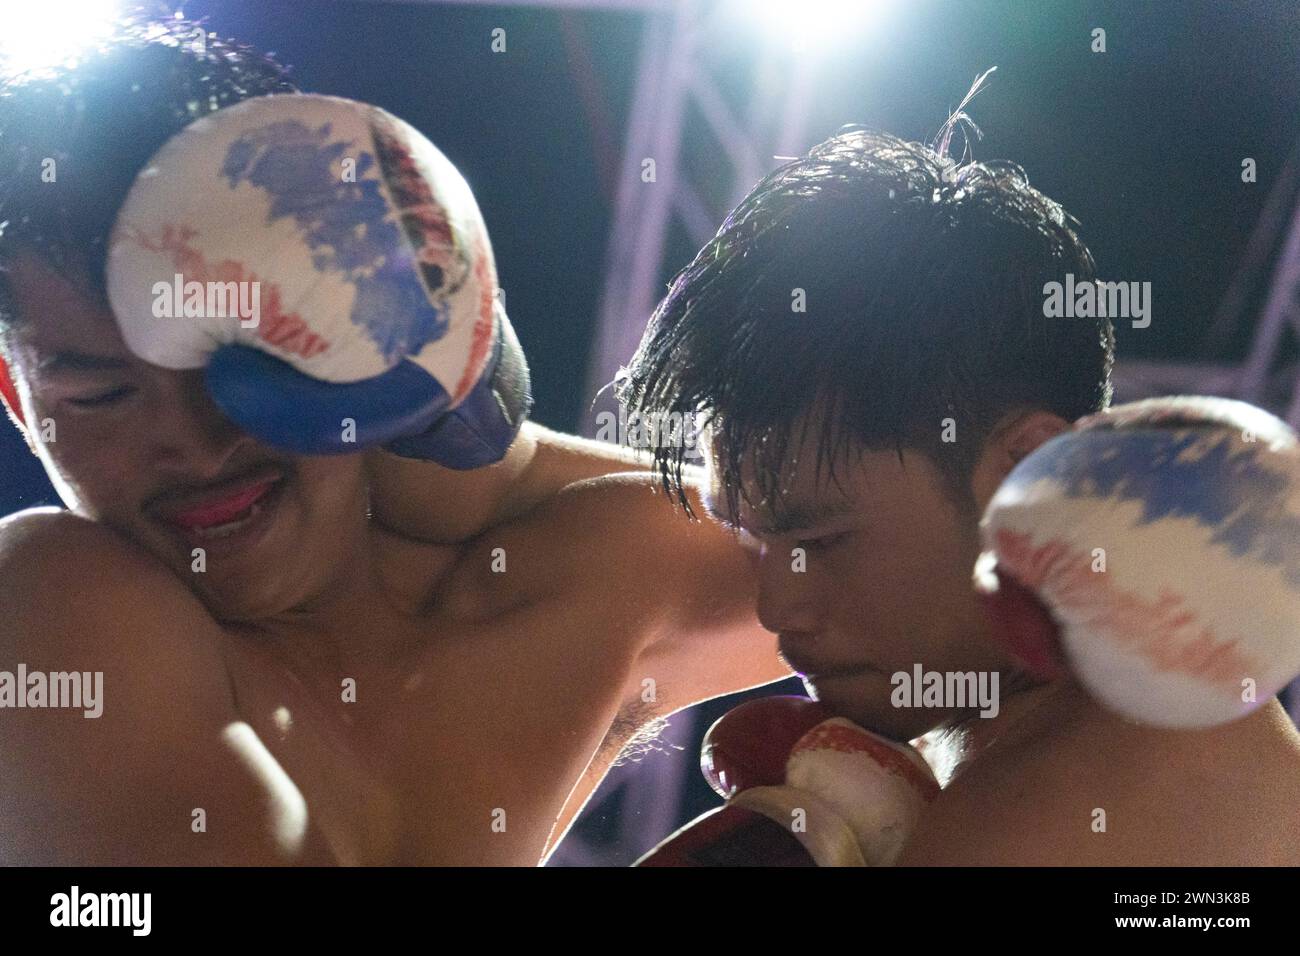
845,796
1153,553
750,745
376,319
747,747
730,836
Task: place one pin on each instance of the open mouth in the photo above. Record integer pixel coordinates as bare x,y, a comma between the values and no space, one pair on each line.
227,514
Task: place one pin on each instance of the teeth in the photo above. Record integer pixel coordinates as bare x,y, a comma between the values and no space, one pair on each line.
226,530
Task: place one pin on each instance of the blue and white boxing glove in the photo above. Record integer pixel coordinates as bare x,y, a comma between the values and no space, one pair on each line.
330,270
1152,552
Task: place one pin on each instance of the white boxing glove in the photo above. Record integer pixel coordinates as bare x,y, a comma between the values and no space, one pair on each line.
1162,540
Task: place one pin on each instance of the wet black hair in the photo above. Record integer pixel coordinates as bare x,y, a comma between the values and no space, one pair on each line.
923,283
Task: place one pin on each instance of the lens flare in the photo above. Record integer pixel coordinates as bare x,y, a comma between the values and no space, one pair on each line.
34,36
816,23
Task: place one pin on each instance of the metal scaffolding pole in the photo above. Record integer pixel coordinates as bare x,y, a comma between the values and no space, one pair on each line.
675,75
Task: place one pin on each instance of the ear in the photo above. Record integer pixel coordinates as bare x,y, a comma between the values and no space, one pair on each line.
1011,440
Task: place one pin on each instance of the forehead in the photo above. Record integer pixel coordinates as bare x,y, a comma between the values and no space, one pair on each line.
797,491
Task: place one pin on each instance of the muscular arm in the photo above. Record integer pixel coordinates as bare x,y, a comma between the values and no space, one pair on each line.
122,788
614,534
427,502
607,540
681,591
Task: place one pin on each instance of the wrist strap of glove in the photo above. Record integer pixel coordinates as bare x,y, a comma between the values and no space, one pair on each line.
479,430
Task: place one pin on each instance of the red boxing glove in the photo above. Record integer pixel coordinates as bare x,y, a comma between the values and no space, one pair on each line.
841,796
730,836
748,745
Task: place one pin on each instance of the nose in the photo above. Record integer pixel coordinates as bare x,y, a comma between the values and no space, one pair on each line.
789,600
189,432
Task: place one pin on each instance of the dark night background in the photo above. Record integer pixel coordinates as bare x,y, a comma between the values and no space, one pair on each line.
1143,143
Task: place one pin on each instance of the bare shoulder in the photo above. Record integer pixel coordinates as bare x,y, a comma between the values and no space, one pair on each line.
1097,791
126,719
596,531
28,536
46,537
40,540
630,517
79,597
619,497
60,571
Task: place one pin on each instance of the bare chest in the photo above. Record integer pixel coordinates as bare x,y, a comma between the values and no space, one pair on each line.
462,753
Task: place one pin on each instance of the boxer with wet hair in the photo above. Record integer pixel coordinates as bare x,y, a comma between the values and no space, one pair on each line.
301,664
866,338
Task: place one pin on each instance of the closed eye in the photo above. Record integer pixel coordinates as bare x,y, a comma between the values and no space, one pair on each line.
822,543
105,398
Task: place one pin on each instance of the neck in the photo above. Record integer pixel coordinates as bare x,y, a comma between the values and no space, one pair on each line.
348,617
953,746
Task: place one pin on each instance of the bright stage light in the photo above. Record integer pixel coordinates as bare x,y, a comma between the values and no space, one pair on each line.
42,34
816,23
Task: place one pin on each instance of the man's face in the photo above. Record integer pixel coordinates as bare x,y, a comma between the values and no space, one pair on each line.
883,584
145,451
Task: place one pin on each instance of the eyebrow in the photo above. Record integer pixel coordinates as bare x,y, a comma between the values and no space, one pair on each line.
72,361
